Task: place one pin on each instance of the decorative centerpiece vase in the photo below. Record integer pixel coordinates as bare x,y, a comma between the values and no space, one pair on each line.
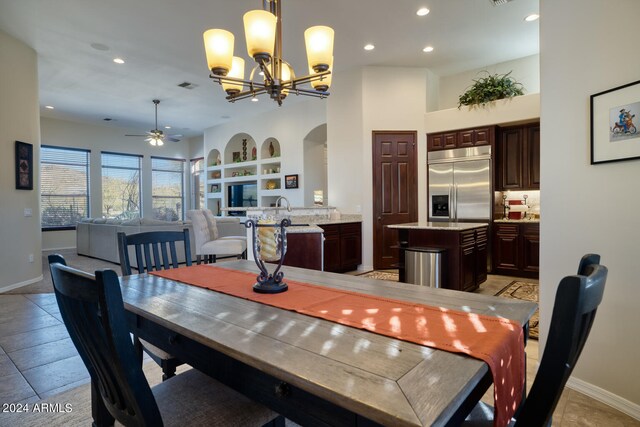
269,245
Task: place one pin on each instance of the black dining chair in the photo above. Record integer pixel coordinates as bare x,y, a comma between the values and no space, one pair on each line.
154,250
93,311
574,310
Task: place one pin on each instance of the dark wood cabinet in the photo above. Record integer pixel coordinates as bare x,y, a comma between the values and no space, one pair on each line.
464,258
342,246
303,250
518,154
516,249
461,138
468,260
530,247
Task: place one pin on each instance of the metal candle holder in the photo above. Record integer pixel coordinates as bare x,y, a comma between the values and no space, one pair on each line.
269,283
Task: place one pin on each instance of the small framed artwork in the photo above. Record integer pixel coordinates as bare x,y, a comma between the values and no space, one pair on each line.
291,181
215,188
236,157
614,133
24,166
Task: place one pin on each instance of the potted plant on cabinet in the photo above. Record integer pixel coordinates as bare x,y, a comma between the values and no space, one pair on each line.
491,88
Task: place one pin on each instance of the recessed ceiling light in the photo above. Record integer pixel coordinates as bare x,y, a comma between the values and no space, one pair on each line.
369,47
99,46
118,60
428,49
167,127
422,11
532,17
254,99
49,107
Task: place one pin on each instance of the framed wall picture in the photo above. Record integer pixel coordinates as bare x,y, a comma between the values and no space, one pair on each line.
291,181
614,133
24,166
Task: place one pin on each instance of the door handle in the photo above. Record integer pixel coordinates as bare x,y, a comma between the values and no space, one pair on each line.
379,218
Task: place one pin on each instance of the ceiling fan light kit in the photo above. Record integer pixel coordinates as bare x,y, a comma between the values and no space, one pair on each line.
156,137
263,33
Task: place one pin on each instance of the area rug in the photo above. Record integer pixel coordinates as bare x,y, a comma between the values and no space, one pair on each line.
391,275
526,292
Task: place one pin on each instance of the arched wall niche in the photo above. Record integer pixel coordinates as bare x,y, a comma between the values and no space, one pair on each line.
240,148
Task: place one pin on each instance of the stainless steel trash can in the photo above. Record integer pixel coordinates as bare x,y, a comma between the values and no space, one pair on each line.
423,266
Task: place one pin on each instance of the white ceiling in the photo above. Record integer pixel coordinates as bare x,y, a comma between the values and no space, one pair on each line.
161,42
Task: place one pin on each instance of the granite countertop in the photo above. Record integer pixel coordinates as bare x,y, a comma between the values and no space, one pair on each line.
451,226
280,208
304,229
336,221
518,221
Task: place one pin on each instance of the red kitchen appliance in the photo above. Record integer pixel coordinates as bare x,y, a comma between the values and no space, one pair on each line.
517,209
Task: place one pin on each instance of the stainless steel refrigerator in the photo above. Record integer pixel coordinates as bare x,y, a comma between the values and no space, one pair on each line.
460,184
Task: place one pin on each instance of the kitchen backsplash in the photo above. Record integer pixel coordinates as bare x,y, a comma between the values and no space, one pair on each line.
533,201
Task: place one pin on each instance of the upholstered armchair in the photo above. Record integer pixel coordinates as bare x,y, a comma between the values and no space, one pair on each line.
217,237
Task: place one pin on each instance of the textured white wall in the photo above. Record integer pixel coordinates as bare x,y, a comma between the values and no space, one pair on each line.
19,120
590,208
374,98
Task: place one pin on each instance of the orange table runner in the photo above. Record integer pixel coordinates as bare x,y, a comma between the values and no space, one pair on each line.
498,342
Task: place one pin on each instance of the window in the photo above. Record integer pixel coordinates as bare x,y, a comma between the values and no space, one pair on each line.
167,191
64,188
121,185
197,183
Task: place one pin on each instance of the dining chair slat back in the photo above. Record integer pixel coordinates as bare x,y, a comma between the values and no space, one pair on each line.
93,312
576,302
154,250
574,310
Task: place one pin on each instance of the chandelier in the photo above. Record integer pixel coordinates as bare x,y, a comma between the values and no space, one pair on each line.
263,33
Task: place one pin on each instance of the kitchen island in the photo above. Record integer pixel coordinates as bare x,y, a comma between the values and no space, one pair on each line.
464,260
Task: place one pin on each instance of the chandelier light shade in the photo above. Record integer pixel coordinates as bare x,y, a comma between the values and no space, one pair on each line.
260,32
237,72
273,75
319,43
218,45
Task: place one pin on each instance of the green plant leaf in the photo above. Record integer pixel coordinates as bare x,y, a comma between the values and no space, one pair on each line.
490,88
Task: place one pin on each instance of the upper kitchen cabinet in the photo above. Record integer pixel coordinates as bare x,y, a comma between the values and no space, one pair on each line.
518,154
461,138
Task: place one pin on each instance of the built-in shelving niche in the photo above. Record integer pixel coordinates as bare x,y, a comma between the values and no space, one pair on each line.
242,162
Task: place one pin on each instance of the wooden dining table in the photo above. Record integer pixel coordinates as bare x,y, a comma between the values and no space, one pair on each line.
316,372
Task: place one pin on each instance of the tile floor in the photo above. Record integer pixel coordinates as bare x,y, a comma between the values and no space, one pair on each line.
38,360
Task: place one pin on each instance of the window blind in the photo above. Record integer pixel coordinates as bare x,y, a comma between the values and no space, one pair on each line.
167,191
121,195
64,186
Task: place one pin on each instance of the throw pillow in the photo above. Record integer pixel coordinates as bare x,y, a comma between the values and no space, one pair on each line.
211,222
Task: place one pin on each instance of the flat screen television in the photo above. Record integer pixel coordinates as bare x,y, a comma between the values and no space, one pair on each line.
242,195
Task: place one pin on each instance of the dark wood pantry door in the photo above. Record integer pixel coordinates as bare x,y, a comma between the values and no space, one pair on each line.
395,191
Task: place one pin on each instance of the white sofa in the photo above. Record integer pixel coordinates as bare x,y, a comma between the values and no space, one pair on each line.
97,237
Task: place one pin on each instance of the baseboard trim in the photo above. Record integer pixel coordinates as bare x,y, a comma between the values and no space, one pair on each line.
606,397
21,284
58,249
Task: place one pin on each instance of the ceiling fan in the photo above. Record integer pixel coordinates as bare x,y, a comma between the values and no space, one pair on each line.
155,136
